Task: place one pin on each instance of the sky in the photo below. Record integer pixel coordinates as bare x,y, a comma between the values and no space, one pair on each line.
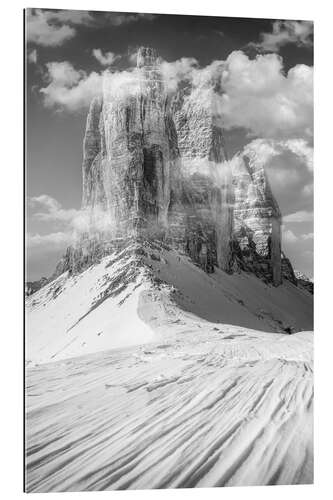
265,68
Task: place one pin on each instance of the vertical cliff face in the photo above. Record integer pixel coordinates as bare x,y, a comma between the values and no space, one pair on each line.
129,153
208,194
149,167
91,154
257,217
156,167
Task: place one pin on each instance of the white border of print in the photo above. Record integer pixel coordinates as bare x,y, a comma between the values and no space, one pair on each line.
11,242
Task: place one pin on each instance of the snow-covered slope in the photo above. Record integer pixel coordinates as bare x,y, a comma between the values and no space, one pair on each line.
218,406
93,311
140,294
164,376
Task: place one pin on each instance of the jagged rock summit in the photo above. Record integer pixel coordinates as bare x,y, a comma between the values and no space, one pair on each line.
155,166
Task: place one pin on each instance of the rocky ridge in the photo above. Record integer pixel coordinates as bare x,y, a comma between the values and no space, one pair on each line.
257,217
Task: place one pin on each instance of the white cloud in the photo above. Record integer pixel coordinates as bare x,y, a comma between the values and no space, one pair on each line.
178,71
42,30
51,210
257,95
32,56
121,83
251,93
70,88
264,150
285,32
106,59
301,149
51,241
300,216
54,27
45,201
71,221
290,238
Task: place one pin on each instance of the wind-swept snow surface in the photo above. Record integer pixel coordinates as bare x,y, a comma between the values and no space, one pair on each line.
145,372
214,407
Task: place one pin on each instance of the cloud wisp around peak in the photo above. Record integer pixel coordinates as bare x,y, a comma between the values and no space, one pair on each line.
106,58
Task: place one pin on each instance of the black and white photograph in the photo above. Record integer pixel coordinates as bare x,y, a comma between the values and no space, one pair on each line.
169,281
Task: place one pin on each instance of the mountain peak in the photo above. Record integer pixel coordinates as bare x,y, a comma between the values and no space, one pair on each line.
156,168
146,56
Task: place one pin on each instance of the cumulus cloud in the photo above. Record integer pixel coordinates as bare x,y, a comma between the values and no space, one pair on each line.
183,69
254,94
257,95
288,236
44,201
302,149
70,88
49,209
106,59
71,221
52,28
32,56
52,241
121,83
300,216
299,33
265,150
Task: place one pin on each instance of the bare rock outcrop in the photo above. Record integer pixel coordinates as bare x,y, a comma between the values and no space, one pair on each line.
33,286
207,181
129,154
257,217
303,281
155,167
